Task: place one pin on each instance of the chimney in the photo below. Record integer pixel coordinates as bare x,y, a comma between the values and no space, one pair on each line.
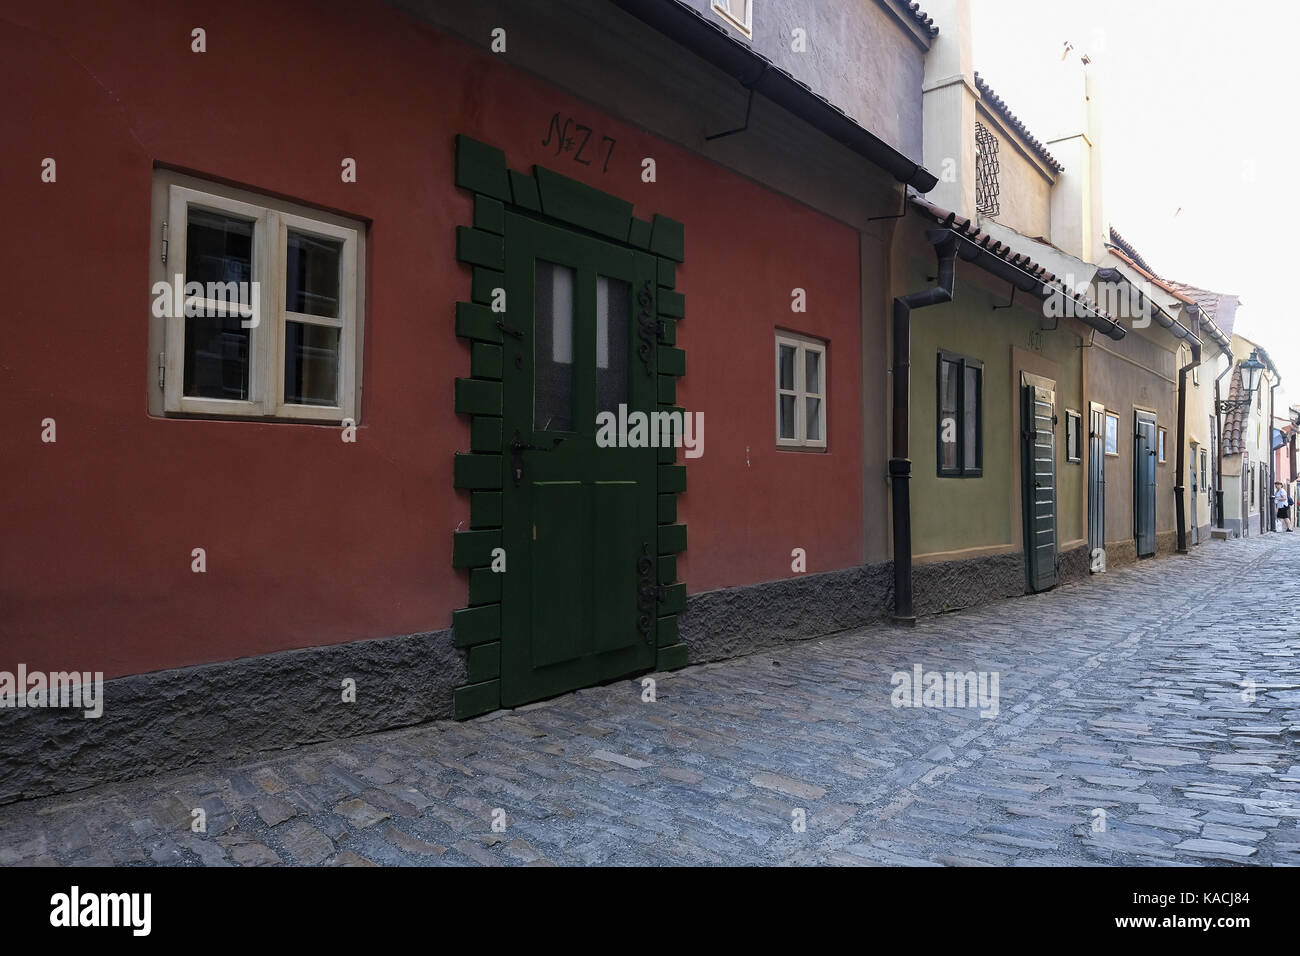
949,96
1073,137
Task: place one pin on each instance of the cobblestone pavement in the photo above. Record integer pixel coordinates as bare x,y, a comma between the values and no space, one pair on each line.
1123,736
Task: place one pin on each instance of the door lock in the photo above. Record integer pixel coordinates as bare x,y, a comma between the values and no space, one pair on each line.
517,448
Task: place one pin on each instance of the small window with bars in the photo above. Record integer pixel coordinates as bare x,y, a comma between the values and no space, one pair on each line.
986,172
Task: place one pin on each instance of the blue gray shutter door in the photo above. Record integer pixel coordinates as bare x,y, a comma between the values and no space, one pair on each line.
1096,479
1144,496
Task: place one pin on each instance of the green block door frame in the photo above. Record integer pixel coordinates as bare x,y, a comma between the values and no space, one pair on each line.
513,207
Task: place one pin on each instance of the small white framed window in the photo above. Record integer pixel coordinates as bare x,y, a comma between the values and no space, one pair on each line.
1112,435
1073,436
738,13
801,391
1162,435
257,306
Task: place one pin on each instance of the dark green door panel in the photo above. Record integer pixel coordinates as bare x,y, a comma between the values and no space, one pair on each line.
616,548
576,517
1144,483
561,527
1038,479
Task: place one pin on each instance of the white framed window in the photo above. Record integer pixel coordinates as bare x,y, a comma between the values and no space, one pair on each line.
738,13
1073,436
800,391
1112,435
257,306
1162,436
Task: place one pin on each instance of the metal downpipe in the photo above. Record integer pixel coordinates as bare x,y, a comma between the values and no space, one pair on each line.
1180,503
900,465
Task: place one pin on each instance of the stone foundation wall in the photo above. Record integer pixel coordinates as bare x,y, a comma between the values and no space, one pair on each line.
731,622
173,719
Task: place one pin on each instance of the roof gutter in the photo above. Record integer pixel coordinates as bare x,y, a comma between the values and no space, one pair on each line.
758,74
974,252
1147,304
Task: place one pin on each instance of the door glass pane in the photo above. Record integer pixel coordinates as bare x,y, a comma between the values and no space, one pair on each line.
785,367
971,416
814,419
218,249
553,346
787,416
812,372
948,385
311,364
312,274
613,316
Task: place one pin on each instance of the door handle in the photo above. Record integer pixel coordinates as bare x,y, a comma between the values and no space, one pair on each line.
517,448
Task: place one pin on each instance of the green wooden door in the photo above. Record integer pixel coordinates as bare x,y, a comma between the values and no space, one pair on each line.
1038,479
579,521
1144,483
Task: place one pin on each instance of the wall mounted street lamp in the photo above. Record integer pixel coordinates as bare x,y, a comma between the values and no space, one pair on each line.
1251,370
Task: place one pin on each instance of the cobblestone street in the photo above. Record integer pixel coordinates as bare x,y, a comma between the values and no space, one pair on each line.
1123,736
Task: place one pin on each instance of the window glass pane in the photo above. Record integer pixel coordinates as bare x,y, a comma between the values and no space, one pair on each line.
218,248
787,416
812,372
312,275
216,358
785,367
613,317
971,416
311,364
813,420
948,385
553,346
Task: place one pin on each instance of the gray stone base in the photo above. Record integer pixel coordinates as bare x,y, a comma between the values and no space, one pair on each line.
1119,553
1074,565
952,585
730,622
1166,542
168,720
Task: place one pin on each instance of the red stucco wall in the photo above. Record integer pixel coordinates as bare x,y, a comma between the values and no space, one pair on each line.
310,540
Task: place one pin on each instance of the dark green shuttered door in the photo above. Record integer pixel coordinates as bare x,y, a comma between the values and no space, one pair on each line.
579,520
1038,479
1144,483
1096,478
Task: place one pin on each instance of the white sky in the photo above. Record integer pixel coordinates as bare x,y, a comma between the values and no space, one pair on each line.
1198,139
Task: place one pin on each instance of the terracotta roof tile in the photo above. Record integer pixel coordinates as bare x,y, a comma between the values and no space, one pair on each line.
1220,307
998,105
1151,277
1234,423
921,17
1129,250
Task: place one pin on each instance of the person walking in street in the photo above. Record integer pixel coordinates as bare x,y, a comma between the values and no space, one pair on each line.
1282,501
